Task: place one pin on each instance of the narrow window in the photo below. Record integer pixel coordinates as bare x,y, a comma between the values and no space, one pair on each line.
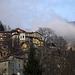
13,64
13,58
5,64
19,66
19,71
1,53
5,69
24,61
4,53
13,70
23,36
19,59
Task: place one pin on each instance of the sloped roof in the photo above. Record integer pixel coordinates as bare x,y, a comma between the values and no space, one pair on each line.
19,30
16,56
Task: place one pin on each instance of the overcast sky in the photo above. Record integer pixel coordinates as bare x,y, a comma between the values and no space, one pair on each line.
31,14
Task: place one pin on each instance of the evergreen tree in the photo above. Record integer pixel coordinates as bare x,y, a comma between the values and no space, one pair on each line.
1,27
33,67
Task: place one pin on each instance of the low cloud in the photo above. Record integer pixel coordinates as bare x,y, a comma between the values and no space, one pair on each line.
60,26
31,15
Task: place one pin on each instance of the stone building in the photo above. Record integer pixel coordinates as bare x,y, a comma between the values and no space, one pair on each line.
11,65
3,53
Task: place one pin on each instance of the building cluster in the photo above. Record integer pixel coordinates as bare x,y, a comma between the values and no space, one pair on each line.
11,63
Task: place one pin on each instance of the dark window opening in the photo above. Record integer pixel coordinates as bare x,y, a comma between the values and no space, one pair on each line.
5,69
1,54
4,53
23,36
13,58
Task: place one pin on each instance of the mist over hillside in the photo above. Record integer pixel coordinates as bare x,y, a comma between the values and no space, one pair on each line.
72,22
60,26
71,37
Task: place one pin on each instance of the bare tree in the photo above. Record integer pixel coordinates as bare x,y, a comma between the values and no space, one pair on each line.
52,53
46,33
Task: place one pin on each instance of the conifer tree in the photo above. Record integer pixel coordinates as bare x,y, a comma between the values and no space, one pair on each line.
1,27
33,67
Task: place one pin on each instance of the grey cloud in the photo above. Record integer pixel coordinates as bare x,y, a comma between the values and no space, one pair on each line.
60,26
31,15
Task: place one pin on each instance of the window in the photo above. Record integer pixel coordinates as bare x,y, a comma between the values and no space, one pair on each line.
23,36
24,61
4,53
1,53
19,66
5,69
5,64
13,70
19,59
13,58
13,64
19,71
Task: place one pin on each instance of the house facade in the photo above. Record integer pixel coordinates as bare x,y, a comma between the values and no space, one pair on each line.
12,65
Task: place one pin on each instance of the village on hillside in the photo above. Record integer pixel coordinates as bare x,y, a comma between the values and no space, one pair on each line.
13,59
53,54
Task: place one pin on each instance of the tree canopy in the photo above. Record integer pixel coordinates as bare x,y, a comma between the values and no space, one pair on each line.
33,66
